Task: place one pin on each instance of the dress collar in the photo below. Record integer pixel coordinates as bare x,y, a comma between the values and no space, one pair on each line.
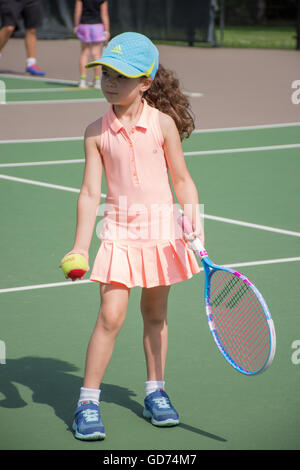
142,123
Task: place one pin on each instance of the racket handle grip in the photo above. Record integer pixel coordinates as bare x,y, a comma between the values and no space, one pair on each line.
196,243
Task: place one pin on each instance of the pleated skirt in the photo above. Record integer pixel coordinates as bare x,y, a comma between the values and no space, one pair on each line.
148,264
144,249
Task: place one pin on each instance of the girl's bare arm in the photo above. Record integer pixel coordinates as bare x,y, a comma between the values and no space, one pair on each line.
184,186
90,192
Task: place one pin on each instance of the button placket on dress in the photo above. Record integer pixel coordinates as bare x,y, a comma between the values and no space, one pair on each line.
133,168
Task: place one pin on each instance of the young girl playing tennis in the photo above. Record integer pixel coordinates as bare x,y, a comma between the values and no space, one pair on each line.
91,25
136,143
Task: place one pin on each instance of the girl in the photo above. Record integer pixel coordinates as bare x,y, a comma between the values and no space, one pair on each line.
136,143
91,25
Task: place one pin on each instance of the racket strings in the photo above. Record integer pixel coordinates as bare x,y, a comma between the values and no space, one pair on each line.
239,320
243,341
240,345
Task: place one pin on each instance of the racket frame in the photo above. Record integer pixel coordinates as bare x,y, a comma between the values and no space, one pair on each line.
209,268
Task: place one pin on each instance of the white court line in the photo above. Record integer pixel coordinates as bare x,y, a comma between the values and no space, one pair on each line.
39,183
68,82
196,131
247,128
242,150
49,162
212,217
83,100
187,154
192,94
42,184
44,286
47,80
251,225
70,283
46,139
260,263
39,90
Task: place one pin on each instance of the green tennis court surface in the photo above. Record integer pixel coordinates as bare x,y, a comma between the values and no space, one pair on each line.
25,89
250,193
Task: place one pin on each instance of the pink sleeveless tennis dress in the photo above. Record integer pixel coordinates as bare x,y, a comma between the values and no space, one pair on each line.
141,241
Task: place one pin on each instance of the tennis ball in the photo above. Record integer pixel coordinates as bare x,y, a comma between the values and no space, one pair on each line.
74,266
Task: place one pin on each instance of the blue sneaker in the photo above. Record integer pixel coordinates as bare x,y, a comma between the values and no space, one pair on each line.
159,408
87,422
35,70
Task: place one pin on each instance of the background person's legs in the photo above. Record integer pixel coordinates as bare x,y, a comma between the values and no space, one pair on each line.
33,16
83,60
5,34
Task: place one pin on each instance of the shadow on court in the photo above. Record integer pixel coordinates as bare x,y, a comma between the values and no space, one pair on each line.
51,381
14,72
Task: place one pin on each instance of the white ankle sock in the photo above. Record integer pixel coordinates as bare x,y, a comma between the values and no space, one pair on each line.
30,61
152,385
92,394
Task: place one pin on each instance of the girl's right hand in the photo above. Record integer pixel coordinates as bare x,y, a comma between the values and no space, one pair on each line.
81,252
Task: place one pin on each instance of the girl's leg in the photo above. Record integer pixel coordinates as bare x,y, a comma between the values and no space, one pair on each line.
158,407
154,311
114,301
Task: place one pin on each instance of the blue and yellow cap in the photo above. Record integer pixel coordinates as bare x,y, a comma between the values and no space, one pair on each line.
131,54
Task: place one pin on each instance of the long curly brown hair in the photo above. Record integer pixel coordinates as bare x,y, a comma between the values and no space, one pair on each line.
165,95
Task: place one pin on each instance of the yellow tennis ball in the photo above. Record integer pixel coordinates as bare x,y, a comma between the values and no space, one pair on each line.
74,266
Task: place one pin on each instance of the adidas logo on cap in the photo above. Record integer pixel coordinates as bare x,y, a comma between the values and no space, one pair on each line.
117,50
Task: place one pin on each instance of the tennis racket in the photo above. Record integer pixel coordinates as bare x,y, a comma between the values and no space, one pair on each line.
237,314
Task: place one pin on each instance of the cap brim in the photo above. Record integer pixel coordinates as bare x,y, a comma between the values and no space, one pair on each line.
118,66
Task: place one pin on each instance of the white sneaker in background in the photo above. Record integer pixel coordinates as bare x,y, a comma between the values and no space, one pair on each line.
82,84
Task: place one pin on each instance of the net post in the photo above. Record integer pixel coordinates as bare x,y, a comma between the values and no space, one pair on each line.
215,8
190,29
222,21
